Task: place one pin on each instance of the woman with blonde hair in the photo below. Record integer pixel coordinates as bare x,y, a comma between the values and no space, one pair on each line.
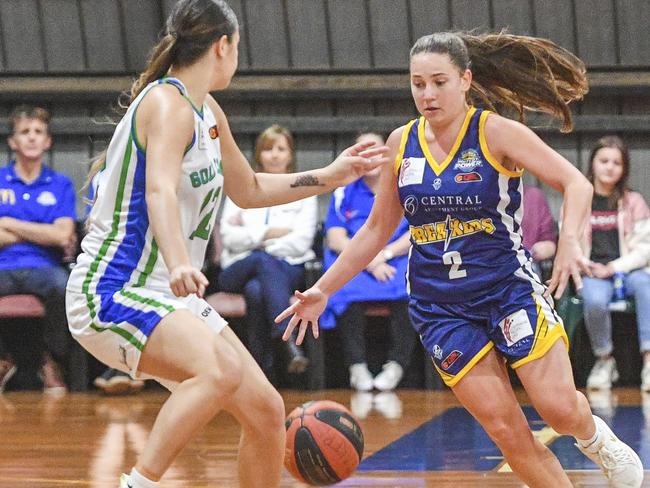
264,254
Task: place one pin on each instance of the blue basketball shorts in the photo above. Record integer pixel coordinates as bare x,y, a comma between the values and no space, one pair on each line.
514,317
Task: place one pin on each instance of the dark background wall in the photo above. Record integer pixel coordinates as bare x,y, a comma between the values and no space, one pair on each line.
325,68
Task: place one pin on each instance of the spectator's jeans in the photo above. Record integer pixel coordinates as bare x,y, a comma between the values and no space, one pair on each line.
597,294
48,284
267,284
351,325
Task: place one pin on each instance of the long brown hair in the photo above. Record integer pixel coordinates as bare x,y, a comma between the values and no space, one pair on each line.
191,28
621,185
514,73
266,140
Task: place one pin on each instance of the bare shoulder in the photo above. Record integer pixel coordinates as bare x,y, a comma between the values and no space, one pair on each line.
395,137
501,131
165,101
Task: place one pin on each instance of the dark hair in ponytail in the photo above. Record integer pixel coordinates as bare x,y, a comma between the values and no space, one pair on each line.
190,30
514,73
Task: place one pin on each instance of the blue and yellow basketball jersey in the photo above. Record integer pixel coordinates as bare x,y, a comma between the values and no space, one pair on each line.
464,214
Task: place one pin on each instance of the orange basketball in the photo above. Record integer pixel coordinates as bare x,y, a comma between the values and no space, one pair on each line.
324,443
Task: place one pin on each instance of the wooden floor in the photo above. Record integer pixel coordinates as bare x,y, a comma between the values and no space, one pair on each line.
87,440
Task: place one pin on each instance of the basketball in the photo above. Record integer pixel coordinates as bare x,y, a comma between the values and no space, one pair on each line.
324,443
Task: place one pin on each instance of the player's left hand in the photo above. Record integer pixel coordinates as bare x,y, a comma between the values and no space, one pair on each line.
305,311
569,262
356,161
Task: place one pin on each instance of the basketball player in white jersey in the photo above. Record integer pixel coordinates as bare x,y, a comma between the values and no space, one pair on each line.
134,300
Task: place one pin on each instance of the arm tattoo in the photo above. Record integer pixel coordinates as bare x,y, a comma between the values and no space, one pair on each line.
306,180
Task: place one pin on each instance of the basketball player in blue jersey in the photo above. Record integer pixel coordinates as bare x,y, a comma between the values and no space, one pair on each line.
474,298
134,300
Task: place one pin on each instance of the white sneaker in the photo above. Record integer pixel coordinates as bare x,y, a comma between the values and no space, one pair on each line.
124,481
390,376
360,377
602,375
617,460
645,377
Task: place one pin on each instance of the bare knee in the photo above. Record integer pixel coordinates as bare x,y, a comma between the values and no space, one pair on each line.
222,375
267,411
562,413
509,436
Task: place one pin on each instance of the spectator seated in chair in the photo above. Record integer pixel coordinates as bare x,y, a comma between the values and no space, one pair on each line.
617,240
37,222
383,280
263,254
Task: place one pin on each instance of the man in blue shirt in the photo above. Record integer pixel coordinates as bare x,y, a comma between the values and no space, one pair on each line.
37,221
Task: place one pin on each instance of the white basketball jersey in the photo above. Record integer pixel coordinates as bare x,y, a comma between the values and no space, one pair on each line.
119,250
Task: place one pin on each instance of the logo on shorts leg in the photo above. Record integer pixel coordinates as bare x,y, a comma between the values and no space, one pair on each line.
437,352
451,359
206,311
515,327
123,355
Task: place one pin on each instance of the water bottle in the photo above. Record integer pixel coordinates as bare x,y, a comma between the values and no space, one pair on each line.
619,286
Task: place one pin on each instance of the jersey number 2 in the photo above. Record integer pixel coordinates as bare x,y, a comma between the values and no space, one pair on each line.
453,259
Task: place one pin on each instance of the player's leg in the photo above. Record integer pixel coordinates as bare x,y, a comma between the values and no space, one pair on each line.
549,383
259,408
486,392
183,349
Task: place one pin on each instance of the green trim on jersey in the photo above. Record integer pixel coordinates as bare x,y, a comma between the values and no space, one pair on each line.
151,262
119,197
119,331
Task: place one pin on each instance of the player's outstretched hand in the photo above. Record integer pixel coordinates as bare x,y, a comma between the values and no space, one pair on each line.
185,280
305,311
356,161
569,262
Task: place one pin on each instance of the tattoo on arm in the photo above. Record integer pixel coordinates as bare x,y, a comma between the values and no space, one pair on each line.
306,180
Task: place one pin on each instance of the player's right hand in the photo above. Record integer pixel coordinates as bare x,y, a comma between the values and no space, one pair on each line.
185,280
305,311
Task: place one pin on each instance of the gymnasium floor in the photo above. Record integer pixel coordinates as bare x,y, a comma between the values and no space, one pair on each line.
413,439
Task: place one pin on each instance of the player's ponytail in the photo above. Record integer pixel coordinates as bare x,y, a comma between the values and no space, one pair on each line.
514,73
192,27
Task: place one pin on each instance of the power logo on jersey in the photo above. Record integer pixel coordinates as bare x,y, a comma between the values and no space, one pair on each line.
469,160
448,229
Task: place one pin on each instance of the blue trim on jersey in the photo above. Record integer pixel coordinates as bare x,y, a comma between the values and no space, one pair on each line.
116,313
128,254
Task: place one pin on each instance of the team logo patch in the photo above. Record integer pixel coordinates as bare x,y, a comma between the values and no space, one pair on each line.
516,327
437,183
411,171
437,352
214,132
469,160
468,177
451,359
47,199
410,205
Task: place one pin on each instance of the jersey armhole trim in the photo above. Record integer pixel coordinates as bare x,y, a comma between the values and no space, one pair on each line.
486,151
402,146
134,130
